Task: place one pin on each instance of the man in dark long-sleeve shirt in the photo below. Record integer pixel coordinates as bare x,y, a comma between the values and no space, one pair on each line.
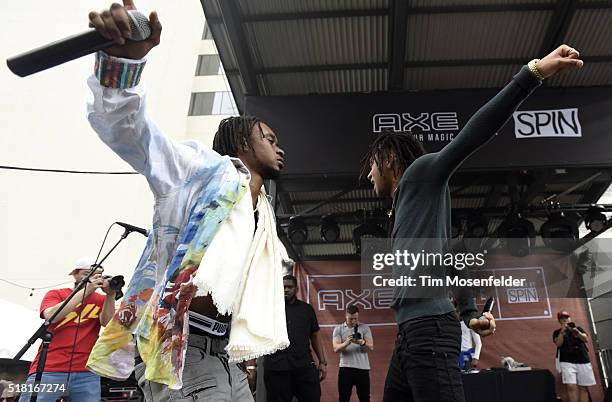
423,366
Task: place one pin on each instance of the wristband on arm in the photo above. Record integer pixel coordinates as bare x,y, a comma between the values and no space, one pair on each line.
113,72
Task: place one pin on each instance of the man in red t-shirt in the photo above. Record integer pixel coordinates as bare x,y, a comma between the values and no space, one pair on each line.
83,316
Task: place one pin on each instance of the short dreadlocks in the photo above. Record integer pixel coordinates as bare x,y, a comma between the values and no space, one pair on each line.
404,146
234,133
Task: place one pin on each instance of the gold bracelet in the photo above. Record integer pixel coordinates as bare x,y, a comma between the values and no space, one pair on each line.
534,69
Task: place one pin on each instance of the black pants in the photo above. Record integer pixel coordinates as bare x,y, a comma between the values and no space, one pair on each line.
347,377
303,383
424,367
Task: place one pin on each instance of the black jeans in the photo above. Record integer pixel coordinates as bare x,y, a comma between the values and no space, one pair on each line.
303,383
347,377
424,367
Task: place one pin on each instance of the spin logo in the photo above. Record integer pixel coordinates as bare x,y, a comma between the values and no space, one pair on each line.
560,123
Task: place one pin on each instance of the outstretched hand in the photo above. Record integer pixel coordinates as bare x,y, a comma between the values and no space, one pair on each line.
114,24
563,58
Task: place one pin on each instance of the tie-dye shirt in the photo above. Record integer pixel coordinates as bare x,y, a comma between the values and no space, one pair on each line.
195,190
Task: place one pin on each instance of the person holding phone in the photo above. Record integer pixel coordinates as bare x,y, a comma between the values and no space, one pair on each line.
353,341
575,365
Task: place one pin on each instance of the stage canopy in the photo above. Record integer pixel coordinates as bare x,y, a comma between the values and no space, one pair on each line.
330,75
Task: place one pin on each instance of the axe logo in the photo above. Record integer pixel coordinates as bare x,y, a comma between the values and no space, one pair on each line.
330,294
365,299
408,123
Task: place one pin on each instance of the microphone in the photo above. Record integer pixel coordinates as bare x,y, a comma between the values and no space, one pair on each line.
131,228
73,47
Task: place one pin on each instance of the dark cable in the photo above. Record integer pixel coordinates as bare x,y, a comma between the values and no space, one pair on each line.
30,287
103,242
60,170
76,333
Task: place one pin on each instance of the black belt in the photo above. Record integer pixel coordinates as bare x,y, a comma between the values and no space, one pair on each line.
196,330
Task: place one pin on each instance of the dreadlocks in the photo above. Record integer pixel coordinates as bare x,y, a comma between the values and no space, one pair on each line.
404,146
234,133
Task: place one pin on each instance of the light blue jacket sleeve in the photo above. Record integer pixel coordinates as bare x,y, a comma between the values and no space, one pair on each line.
119,117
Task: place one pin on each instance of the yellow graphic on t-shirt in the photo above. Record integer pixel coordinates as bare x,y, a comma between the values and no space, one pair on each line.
90,311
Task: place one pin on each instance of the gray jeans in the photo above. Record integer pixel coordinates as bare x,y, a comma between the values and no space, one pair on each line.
207,376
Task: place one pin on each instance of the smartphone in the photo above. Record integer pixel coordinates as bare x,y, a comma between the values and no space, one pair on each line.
488,307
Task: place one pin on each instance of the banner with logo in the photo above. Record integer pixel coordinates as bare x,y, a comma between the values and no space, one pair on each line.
560,123
526,319
554,127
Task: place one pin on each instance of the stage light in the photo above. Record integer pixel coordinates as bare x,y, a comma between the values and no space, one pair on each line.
330,231
478,226
297,230
366,230
595,220
560,232
518,235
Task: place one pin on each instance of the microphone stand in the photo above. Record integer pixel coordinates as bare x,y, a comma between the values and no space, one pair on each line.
43,332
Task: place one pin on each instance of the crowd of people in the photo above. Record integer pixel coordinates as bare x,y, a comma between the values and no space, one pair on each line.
290,373
196,316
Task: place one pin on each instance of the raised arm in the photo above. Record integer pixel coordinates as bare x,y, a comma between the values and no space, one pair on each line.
117,108
491,117
119,118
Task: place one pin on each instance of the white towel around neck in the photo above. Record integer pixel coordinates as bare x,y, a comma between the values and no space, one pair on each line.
244,274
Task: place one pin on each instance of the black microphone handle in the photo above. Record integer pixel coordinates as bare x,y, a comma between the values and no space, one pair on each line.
133,228
58,52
